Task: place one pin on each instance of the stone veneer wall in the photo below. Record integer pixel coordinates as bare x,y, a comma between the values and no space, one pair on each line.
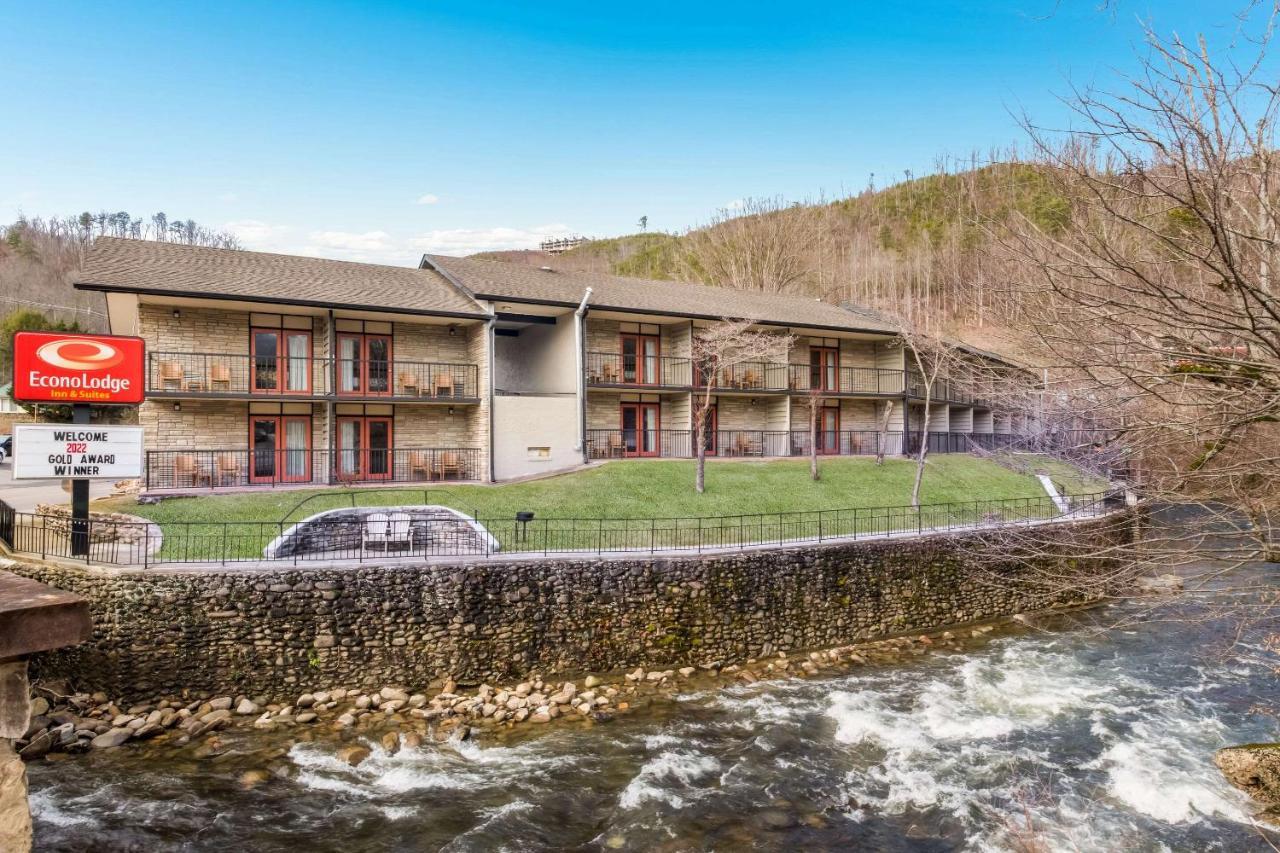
276,631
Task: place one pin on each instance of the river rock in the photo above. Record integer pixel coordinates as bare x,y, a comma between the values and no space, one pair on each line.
1254,768
396,694
222,703
391,742
353,754
112,739
246,707
39,706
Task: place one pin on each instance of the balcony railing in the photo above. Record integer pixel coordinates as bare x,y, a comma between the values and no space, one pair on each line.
611,368
212,469
203,374
945,391
844,380
625,443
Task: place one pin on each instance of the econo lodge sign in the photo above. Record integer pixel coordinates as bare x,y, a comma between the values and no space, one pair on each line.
57,367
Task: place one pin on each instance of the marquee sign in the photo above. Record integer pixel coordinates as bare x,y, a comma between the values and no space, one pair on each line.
60,367
50,451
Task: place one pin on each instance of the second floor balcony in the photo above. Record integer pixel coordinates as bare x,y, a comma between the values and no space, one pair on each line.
198,374
652,371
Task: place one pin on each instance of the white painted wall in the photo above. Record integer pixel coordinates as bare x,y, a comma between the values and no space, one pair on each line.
540,360
534,421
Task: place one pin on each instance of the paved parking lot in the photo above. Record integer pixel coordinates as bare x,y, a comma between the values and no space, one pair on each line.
23,495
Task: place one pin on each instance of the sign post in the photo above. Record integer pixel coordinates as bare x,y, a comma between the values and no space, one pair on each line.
76,370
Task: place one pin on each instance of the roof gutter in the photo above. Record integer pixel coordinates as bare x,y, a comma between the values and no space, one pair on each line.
275,300
580,336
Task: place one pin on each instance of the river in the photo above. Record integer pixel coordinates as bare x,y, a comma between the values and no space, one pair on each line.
1061,737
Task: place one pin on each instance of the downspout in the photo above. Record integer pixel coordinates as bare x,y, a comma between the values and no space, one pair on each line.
581,336
489,327
330,430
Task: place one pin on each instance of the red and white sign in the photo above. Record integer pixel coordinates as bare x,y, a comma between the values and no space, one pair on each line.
59,367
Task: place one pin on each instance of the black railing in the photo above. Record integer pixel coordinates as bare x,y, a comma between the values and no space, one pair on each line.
213,469
844,380
629,443
945,391
381,536
611,368
200,374
848,443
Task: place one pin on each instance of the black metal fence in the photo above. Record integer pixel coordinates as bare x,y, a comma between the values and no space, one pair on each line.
211,469
379,535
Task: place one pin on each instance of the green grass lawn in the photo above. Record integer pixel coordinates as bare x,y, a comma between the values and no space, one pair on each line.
621,490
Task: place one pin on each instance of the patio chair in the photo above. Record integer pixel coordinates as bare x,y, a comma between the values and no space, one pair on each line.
376,531
228,469
172,373
615,445
750,379
410,384
219,375
450,464
420,463
187,471
399,530
609,371
442,382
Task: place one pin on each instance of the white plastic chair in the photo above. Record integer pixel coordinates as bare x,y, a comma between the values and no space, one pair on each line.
398,533
376,531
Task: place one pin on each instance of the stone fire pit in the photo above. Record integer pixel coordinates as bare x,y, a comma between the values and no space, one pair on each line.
431,530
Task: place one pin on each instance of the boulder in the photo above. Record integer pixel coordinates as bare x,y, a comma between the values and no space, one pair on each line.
112,738
353,754
1254,768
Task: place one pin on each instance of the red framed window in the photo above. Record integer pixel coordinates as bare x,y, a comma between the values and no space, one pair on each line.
641,359
281,361
365,448
824,368
641,429
364,365
280,448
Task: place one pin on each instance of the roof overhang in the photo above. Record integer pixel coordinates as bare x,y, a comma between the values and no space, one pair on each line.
143,292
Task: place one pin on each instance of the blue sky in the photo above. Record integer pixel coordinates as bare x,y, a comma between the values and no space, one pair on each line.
377,131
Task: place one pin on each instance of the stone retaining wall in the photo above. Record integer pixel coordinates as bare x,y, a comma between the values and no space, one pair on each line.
274,632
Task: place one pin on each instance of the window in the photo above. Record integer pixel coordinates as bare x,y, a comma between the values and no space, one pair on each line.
824,364
281,361
364,364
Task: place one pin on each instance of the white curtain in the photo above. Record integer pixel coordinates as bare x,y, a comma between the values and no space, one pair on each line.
299,361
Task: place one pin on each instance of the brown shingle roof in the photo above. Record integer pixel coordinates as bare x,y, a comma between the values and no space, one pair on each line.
497,280
145,266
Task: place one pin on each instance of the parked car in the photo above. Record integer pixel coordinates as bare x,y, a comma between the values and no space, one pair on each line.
6,447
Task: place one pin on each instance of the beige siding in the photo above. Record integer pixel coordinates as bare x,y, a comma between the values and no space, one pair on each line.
477,416
433,343
961,419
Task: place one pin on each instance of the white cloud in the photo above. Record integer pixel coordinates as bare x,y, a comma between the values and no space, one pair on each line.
464,241
347,241
428,198
736,204
255,232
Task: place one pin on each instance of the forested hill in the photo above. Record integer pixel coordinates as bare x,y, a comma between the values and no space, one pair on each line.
925,247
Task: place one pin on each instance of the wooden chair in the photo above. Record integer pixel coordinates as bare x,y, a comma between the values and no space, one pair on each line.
615,445
743,445
399,530
609,371
442,382
219,374
171,372
750,379
228,469
420,463
450,464
187,470
409,384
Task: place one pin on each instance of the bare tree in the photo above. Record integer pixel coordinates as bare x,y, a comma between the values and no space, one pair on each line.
762,245
717,349
931,361
815,400
882,432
